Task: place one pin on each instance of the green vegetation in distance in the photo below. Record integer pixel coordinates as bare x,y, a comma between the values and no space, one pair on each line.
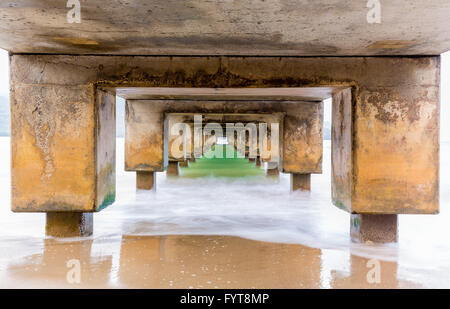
221,167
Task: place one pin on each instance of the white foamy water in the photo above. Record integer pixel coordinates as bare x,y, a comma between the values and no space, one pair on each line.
256,208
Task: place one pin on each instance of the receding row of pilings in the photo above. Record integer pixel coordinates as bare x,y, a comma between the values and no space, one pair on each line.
385,128
147,180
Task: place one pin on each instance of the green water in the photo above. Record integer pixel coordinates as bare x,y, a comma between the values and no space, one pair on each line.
231,166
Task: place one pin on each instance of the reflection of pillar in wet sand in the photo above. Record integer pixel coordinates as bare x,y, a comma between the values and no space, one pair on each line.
216,261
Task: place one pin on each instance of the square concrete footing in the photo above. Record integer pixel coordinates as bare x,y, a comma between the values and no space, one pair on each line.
374,228
145,180
69,224
300,182
184,163
173,168
273,172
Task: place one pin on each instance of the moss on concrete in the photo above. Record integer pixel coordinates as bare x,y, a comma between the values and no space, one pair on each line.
108,200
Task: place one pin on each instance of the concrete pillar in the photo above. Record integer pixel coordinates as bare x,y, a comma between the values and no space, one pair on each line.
302,142
374,228
300,182
258,162
145,180
273,172
69,224
173,168
272,169
62,145
146,144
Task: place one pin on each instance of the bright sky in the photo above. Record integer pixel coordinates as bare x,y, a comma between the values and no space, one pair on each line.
445,91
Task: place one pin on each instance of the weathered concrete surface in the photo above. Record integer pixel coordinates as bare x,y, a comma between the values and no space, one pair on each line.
227,94
374,228
106,148
48,123
395,109
145,180
69,224
300,182
144,137
63,158
341,150
303,139
277,27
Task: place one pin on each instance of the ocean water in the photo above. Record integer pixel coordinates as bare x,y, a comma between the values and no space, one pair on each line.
254,207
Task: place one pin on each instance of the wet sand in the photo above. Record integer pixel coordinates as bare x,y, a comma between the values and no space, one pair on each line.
221,233
193,262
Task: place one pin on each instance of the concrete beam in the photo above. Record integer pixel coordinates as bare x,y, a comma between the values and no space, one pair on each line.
269,28
309,94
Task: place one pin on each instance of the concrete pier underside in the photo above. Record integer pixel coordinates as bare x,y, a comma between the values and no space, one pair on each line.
195,27
385,132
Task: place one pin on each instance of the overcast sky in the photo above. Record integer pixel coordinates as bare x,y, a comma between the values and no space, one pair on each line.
445,91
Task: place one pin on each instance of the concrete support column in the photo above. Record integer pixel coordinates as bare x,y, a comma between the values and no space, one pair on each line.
302,138
146,138
69,224
300,182
375,228
145,180
273,172
258,162
63,140
272,169
173,168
